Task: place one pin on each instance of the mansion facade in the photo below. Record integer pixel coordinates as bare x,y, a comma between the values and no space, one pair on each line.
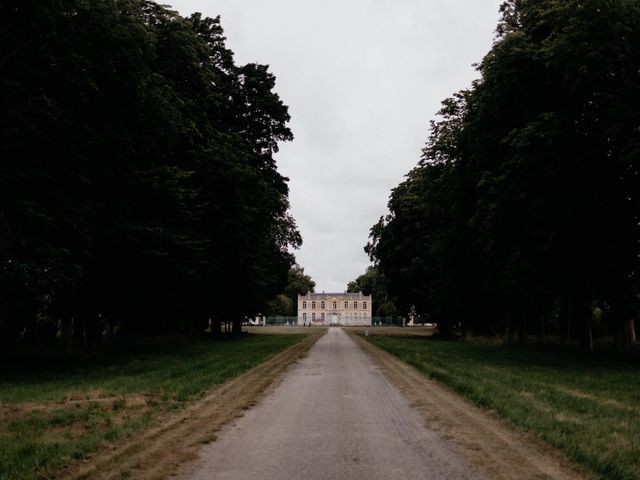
334,309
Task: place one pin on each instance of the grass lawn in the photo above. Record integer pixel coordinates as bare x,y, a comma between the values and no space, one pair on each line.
587,407
54,410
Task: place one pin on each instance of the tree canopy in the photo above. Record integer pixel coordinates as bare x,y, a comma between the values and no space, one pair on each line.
138,189
524,207
373,283
286,303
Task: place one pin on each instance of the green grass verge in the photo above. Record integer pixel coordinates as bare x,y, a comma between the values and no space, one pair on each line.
55,410
587,407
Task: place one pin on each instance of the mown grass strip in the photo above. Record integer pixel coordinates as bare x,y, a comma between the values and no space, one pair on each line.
587,407
61,410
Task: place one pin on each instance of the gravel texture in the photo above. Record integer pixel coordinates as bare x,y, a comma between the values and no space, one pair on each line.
333,416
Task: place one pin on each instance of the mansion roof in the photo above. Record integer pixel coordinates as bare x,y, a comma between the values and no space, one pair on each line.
323,296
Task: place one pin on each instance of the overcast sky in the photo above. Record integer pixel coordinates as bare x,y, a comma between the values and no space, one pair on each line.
362,79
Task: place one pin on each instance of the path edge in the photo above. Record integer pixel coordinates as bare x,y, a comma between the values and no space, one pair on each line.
547,461
176,437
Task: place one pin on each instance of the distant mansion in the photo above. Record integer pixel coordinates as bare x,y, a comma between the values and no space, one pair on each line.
334,309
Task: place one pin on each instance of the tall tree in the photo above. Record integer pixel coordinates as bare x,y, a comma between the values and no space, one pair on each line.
138,189
286,303
373,283
525,200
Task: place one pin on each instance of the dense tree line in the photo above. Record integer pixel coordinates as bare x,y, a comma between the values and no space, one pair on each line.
285,304
138,190
374,283
523,212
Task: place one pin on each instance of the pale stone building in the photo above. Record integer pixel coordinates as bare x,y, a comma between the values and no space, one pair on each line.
334,309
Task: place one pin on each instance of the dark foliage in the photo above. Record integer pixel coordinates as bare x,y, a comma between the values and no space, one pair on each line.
285,304
138,189
373,283
524,209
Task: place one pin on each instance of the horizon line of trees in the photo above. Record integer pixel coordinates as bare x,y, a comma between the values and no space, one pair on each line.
285,304
374,283
138,190
523,213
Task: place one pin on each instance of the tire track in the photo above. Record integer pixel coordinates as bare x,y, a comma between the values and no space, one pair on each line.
157,452
486,440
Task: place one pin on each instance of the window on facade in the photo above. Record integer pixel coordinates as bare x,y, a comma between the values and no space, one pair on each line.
304,317
313,316
313,305
364,305
304,305
322,305
335,305
322,317
355,305
346,305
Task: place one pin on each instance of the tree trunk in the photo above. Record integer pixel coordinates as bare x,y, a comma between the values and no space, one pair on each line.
623,342
78,333
130,327
522,329
465,330
541,329
632,330
566,312
584,320
236,325
620,323
93,327
216,326
509,333
190,326
111,329
586,339
66,329
625,337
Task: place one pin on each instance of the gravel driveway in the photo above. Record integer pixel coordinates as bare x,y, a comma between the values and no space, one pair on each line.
333,416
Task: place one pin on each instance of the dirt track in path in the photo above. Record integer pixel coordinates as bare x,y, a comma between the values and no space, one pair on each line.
348,410
334,416
157,452
487,441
